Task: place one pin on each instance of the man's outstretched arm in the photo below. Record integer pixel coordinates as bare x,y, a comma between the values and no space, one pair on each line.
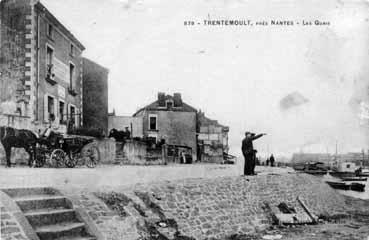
258,136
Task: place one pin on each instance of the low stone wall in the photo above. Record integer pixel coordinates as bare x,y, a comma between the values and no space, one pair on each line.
137,153
14,225
195,208
107,150
236,205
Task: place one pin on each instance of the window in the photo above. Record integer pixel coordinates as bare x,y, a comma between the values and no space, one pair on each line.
50,108
72,114
49,56
169,104
50,30
71,50
61,112
71,75
153,122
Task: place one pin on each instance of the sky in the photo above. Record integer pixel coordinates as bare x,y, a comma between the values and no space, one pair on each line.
237,75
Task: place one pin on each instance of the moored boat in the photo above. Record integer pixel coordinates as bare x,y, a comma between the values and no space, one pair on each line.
347,186
354,179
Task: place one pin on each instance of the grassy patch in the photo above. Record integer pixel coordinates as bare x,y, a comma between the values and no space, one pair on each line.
150,204
115,201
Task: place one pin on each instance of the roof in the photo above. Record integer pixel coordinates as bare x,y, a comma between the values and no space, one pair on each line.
154,106
205,121
65,31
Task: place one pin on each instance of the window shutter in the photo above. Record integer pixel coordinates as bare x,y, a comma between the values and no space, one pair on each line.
46,114
68,111
76,117
56,110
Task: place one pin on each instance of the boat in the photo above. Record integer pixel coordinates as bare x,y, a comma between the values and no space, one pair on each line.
362,174
315,172
354,179
339,185
357,187
314,168
342,174
347,186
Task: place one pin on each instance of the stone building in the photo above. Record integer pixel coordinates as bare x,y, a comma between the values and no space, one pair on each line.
40,68
173,120
95,96
212,139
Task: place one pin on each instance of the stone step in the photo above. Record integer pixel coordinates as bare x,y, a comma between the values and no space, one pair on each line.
30,203
20,192
68,230
51,216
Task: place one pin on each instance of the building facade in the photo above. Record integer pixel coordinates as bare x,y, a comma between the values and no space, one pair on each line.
95,96
173,120
40,67
212,140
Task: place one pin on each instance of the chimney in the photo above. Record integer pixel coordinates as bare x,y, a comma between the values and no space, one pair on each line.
161,99
177,100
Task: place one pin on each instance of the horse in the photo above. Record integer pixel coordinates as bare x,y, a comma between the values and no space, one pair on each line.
119,136
11,137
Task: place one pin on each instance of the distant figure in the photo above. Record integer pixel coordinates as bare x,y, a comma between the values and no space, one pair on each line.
257,161
267,162
127,133
50,131
182,156
249,153
272,160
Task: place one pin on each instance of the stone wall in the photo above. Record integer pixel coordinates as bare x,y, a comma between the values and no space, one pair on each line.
15,52
137,153
225,206
195,208
107,150
14,225
10,227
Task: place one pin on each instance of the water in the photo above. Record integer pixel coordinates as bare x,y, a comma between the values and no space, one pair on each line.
355,194
361,195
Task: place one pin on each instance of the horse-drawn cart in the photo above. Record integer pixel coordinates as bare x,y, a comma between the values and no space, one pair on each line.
67,150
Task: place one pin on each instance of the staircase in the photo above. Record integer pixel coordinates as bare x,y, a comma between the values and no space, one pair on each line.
50,214
120,157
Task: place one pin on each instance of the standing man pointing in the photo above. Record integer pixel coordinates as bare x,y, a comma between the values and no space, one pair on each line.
248,152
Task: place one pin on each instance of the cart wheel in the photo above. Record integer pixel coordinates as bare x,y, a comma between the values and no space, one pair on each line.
57,158
91,155
70,160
